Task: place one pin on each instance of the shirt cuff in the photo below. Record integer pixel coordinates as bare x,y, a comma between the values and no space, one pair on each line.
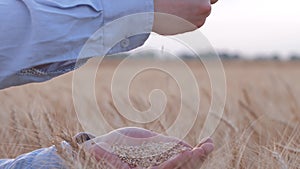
127,25
46,158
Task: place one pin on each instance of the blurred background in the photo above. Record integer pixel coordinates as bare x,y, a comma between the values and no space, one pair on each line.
267,28
256,29
258,41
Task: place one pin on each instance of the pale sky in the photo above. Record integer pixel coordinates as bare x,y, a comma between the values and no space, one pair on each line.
254,27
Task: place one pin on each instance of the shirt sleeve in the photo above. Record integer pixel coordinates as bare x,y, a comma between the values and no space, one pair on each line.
42,39
45,158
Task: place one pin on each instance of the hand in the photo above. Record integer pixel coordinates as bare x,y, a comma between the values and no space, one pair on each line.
191,158
179,16
213,1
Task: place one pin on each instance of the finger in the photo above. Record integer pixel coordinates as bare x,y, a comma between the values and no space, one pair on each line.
83,137
176,162
213,1
206,148
205,140
199,155
195,161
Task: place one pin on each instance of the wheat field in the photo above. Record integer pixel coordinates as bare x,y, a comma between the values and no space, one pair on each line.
260,127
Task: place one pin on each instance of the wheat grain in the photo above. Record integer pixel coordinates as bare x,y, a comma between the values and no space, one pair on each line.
148,154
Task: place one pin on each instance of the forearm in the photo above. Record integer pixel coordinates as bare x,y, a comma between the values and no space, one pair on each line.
46,158
49,158
42,32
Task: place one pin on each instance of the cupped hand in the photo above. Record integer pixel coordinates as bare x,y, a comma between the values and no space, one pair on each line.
101,148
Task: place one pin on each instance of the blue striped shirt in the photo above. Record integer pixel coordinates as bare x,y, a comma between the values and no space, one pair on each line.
44,158
41,39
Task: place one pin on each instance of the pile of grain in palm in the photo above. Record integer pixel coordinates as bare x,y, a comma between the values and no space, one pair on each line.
148,154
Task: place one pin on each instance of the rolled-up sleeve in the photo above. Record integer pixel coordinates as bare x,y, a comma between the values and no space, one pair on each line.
44,158
42,39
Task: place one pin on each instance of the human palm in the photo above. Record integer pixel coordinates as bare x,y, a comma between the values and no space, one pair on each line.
134,143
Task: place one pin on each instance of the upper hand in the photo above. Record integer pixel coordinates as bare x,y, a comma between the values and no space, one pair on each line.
179,16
